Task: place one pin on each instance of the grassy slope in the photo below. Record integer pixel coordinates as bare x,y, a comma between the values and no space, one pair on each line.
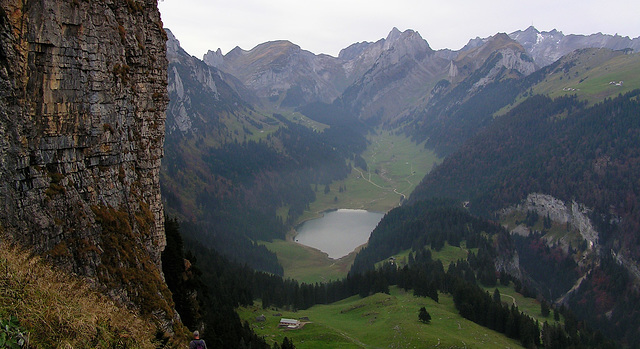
400,163
307,264
446,255
529,306
60,310
590,77
379,321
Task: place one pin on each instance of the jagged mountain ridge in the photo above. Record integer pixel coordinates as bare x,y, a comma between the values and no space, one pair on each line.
281,71
404,70
547,47
384,80
201,97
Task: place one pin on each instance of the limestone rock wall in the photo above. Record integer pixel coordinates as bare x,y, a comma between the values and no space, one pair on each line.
576,215
82,111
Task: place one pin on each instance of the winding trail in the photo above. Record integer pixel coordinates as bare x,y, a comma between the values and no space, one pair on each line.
506,295
382,174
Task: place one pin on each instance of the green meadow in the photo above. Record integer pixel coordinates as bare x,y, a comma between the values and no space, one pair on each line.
395,166
307,264
377,321
595,76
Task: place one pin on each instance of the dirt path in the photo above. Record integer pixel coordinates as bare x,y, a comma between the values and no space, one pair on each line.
383,173
506,295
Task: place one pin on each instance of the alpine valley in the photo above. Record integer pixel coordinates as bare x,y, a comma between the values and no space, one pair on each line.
533,138
149,193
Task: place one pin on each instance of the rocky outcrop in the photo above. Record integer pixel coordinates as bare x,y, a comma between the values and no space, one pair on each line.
213,59
200,94
82,102
576,214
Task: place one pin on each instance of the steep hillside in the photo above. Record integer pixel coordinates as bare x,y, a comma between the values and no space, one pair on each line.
83,89
50,308
481,81
205,100
591,74
576,154
237,173
401,76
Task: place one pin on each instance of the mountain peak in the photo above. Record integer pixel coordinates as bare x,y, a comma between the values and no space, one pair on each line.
407,38
172,43
213,59
394,34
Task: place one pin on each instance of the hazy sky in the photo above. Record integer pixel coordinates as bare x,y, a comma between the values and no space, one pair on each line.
328,26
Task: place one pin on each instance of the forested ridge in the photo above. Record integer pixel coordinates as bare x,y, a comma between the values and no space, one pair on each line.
558,147
207,288
562,147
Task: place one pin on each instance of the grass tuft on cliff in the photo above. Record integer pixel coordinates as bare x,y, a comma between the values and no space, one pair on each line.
54,309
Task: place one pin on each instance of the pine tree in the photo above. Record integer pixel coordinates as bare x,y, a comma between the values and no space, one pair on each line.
544,308
496,296
287,344
424,316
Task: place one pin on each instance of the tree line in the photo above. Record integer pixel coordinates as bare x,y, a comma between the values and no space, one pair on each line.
207,289
236,285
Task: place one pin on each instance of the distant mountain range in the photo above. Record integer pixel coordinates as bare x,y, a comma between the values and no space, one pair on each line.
384,80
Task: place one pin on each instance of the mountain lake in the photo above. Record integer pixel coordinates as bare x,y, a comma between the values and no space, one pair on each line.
338,232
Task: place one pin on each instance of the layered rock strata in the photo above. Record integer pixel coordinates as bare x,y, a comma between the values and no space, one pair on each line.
82,103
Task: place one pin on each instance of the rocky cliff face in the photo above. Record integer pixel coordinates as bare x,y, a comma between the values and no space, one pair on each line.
201,96
576,215
82,102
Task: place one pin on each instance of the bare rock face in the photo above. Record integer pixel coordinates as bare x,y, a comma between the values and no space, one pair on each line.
547,47
82,102
576,215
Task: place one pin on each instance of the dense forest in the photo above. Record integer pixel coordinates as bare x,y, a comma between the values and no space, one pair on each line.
234,191
207,289
559,147
573,152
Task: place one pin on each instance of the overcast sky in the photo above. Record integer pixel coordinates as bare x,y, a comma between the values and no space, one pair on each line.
328,26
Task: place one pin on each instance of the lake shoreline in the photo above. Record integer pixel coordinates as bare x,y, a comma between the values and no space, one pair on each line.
326,233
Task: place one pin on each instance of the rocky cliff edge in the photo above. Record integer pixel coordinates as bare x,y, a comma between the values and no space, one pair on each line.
82,103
